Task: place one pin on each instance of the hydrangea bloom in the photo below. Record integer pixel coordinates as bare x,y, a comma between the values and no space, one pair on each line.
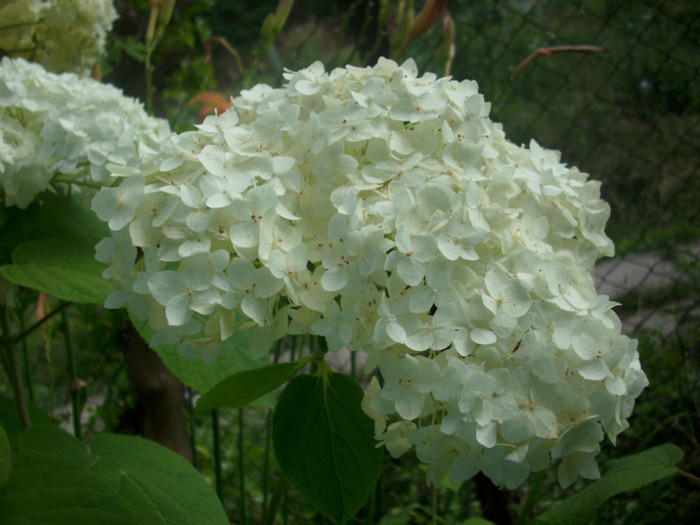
63,125
62,35
386,212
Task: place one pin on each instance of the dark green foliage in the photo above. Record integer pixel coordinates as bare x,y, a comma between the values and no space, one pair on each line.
121,479
324,443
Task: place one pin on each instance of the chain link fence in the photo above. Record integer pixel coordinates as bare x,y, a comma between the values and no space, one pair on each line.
613,85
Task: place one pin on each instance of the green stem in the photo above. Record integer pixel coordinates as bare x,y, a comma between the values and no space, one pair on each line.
72,376
152,37
277,495
23,334
15,372
266,463
688,475
285,506
149,78
433,510
27,367
193,429
531,500
19,24
217,454
241,470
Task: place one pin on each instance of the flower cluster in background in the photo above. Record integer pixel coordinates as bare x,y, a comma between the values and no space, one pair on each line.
387,213
62,35
66,127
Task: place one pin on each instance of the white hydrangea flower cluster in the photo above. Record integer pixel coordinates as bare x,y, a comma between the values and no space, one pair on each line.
386,212
68,127
62,35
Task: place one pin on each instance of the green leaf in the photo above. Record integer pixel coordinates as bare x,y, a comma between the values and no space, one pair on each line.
9,419
122,479
5,457
234,357
240,389
325,444
52,216
622,475
71,216
64,268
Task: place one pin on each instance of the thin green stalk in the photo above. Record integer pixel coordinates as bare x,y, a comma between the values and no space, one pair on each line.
277,495
531,500
19,24
688,475
23,334
266,462
433,510
14,370
285,506
6,366
151,41
149,77
292,350
217,454
241,468
27,367
193,429
72,376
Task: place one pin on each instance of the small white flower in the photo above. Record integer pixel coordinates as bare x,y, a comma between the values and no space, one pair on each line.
117,206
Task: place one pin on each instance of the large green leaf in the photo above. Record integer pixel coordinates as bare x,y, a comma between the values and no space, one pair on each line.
9,419
50,216
234,357
62,267
325,444
622,475
238,390
5,457
71,216
122,479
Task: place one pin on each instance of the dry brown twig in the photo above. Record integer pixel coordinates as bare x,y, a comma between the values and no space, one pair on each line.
555,50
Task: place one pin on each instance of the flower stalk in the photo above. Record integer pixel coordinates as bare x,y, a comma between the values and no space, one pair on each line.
14,368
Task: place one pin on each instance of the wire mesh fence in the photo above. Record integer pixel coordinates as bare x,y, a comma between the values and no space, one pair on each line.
611,84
